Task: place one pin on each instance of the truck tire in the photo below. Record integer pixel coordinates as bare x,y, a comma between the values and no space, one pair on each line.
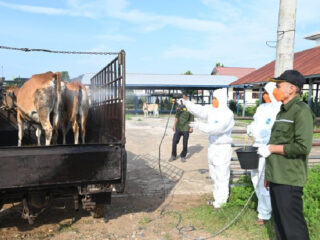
99,211
121,186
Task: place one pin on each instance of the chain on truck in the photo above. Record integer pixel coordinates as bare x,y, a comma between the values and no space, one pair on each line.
88,173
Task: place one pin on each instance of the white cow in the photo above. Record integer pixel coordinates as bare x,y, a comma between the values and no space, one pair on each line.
151,108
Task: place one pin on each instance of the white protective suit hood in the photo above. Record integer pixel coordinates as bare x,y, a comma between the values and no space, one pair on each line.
269,87
221,95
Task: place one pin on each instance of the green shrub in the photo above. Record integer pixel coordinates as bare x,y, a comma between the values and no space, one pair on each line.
250,111
233,107
241,192
311,202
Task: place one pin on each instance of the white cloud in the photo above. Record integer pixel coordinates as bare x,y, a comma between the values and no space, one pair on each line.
120,10
39,10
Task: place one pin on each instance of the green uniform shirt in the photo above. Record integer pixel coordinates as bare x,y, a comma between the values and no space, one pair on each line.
184,118
293,128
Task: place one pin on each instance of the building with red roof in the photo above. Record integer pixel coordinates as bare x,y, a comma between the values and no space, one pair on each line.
307,62
249,87
238,72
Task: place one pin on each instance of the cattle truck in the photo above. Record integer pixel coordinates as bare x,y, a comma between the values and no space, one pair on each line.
88,173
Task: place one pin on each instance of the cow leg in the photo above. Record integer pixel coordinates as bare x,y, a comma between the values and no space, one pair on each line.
83,128
20,129
48,130
64,133
46,125
55,122
75,128
38,134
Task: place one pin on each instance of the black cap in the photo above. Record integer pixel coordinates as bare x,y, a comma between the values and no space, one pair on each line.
291,76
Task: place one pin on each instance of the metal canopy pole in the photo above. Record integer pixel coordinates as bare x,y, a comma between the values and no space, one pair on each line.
260,94
244,102
310,93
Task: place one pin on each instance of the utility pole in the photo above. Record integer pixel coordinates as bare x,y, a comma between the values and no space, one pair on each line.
285,36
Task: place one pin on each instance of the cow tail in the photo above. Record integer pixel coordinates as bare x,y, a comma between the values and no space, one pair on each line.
79,100
58,86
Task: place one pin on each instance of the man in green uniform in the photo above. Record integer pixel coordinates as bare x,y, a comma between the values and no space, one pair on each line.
287,157
181,128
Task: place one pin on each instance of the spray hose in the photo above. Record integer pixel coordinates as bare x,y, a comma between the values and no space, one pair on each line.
182,230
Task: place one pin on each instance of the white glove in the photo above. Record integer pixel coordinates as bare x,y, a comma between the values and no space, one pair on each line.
194,125
181,101
264,151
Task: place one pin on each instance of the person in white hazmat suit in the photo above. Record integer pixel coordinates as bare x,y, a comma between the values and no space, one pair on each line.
260,130
218,125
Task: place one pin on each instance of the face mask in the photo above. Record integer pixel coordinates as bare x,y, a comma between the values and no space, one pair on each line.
278,94
215,103
266,98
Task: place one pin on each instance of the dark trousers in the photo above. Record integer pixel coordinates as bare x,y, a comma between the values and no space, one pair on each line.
176,138
287,210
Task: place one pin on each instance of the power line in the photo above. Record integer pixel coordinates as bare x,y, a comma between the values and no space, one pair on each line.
57,51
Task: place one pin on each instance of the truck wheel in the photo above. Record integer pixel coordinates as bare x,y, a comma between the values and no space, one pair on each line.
99,211
121,186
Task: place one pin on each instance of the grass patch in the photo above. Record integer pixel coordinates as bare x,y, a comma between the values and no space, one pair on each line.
67,228
316,135
239,137
207,219
145,220
139,120
245,121
130,116
167,236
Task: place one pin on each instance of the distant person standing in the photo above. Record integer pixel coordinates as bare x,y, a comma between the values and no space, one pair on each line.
287,157
181,128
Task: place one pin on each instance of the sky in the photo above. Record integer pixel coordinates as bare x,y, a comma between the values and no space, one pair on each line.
159,37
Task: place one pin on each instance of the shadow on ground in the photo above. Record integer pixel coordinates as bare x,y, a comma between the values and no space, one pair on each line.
194,149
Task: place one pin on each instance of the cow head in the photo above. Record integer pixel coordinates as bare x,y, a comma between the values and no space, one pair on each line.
144,106
9,99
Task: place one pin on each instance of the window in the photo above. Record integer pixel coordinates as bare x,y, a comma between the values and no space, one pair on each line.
255,93
235,95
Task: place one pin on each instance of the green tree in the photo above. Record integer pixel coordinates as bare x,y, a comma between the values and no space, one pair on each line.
218,64
188,73
65,76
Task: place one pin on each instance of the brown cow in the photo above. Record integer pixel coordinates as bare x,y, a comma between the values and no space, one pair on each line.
9,101
74,110
38,98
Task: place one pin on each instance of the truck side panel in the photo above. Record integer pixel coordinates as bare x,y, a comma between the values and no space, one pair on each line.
36,166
